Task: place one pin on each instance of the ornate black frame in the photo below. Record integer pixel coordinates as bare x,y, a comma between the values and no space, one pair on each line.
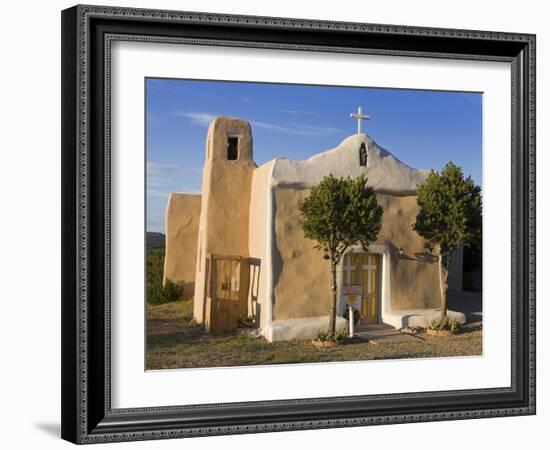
87,31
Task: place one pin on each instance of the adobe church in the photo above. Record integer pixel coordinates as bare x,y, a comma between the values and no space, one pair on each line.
239,250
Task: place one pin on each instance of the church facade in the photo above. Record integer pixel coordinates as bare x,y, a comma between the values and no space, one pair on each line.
239,250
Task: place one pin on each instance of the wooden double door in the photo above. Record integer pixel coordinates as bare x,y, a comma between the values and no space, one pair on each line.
363,269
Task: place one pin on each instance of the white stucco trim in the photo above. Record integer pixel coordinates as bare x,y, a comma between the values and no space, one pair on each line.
419,317
385,289
302,328
385,173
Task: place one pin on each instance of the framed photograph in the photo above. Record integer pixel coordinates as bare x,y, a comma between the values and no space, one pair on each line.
280,224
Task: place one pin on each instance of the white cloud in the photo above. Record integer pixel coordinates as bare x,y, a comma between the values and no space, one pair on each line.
195,190
204,119
295,128
164,178
155,193
154,168
298,112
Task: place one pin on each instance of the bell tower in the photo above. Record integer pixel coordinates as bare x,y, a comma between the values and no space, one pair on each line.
226,183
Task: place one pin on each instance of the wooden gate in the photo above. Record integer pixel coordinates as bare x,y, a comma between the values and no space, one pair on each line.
363,269
226,292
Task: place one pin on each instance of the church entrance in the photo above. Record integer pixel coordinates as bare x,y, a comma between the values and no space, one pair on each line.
360,285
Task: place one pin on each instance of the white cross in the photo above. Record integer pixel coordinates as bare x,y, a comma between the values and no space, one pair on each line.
359,116
347,271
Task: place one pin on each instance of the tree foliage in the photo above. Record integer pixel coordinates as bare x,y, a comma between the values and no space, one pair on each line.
449,216
339,213
450,209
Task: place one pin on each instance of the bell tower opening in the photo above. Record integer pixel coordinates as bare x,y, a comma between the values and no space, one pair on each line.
232,148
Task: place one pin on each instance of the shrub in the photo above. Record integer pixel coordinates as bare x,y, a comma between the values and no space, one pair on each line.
172,291
339,336
446,324
454,325
156,292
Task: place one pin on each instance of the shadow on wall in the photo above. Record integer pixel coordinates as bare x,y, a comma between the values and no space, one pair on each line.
425,258
276,259
396,256
254,308
188,289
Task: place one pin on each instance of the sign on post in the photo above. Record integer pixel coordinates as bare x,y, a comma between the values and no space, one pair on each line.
352,293
353,289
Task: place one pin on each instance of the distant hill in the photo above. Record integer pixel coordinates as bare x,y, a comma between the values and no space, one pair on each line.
155,241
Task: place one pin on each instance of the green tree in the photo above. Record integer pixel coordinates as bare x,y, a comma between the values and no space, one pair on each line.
449,216
339,213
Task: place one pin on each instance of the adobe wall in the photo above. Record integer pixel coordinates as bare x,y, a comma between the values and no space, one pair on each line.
302,277
182,229
257,239
415,274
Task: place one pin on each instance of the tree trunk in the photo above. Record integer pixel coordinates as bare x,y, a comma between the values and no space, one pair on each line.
332,316
443,282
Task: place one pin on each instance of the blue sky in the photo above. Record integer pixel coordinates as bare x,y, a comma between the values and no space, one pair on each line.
424,129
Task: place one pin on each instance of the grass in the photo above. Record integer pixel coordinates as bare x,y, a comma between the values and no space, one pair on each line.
181,311
172,342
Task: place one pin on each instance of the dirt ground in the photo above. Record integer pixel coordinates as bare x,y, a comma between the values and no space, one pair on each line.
174,342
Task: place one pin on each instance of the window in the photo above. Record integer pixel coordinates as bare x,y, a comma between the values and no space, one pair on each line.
363,155
232,148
